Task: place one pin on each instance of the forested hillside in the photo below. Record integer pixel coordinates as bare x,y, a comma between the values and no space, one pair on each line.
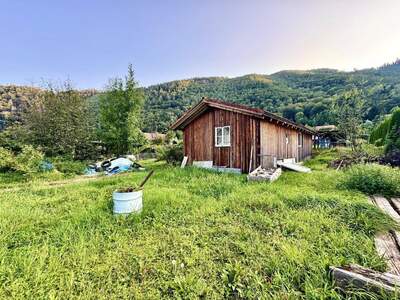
303,96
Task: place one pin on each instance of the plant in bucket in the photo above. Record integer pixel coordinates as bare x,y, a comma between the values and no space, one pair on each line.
129,200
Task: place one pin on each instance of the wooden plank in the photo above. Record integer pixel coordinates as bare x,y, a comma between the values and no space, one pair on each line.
294,167
184,162
357,277
395,202
384,205
386,247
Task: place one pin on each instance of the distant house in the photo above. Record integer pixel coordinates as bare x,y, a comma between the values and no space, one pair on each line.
229,135
154,136
328,136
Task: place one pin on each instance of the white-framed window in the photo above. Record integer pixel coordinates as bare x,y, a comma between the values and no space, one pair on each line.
223,136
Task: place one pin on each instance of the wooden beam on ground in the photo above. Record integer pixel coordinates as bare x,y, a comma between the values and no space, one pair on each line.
357,277
385,205
395,202
386,247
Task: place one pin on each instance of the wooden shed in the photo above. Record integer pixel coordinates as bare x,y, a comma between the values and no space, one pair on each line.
237,136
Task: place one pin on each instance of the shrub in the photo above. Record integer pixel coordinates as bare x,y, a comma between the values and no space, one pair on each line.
68,166
378,134
173,154
29,160
393,136
61,122
372,179
7,159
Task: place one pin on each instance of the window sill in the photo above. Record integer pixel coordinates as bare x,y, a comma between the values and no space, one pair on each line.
222,146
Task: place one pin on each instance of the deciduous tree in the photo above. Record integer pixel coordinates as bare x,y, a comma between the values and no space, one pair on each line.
119,115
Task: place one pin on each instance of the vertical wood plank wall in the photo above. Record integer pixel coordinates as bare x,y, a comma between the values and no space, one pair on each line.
273,143
247,133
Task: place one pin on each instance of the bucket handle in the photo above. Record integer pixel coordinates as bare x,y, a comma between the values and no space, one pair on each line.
145,179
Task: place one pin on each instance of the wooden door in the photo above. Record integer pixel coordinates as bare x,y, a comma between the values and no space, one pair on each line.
269,144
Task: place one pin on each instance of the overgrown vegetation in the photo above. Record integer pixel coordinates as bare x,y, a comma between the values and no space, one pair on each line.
171,153
373,179
61,122
28,161
201,234
387,134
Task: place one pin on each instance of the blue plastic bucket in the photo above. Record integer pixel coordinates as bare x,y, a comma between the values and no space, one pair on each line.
126,203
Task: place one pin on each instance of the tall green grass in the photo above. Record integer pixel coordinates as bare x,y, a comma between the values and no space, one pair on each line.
200,235
373,179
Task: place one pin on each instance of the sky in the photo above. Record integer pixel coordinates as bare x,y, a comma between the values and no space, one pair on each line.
91,41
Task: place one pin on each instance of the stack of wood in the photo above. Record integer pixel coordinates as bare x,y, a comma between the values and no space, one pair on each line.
262,174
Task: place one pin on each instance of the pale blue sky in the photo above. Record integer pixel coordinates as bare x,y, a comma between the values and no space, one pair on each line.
90,41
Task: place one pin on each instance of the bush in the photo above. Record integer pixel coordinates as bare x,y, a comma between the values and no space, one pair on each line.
68,166
372,179
28,161
393,136
6,159
173,154
379,133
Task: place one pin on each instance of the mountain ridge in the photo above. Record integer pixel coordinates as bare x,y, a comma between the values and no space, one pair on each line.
304,96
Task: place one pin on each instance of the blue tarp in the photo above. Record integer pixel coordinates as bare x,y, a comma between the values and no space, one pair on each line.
115,166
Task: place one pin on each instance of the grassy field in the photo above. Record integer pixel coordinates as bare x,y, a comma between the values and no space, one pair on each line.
200,235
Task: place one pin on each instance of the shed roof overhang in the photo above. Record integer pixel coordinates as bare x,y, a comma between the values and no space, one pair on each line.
206,104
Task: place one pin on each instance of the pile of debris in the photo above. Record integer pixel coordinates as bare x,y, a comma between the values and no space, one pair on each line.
356,157
113,166
261,174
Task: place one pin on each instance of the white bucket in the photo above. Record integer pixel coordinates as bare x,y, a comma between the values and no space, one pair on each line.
125,203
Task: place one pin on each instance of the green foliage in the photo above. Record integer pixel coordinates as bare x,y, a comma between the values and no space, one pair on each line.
373,179
370,150
171,153
68,166
28,161
254,241
379,133
119,115
6,159
136,138
393,135
288,92
61,123
13,138
349,112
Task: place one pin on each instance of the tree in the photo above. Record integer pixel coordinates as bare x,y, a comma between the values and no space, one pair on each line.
393,135
119,115
348,108
61,123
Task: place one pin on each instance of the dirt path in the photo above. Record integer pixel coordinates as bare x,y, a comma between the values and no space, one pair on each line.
58,183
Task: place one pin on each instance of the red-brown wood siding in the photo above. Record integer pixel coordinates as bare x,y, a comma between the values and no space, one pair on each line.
245,134
199,142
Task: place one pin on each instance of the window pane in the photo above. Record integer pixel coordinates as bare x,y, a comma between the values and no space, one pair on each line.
219,140
218,136
227,135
